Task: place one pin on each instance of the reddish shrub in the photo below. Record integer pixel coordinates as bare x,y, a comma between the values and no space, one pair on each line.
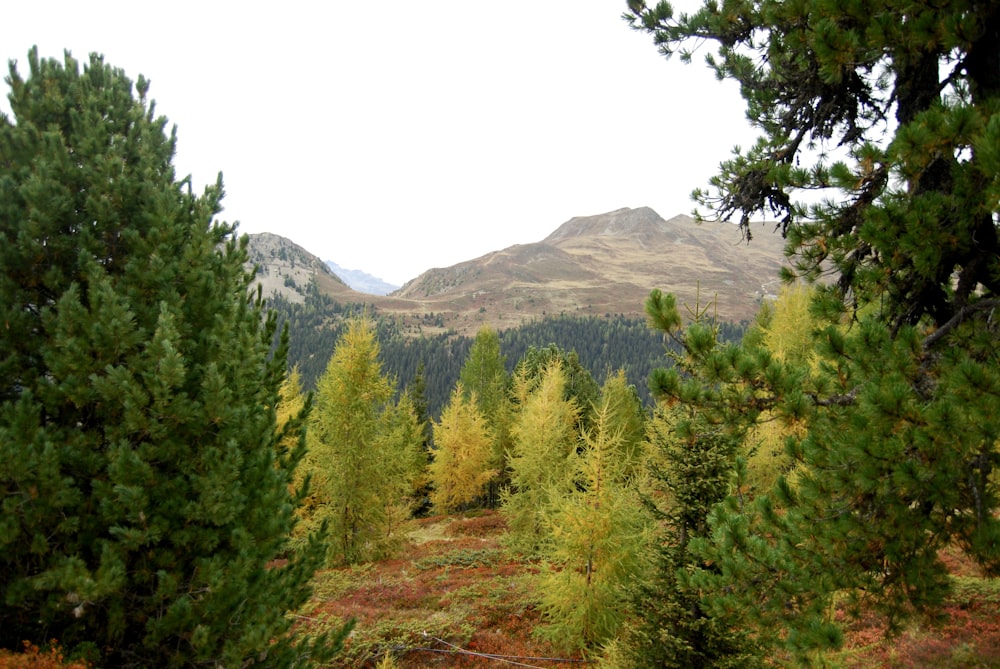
34,657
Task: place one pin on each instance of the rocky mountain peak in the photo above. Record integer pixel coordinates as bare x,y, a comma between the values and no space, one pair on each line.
625,222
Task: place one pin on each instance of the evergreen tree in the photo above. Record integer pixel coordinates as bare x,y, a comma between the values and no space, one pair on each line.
692,467
599,538
361,467
143,481
890,110
422,486
462,463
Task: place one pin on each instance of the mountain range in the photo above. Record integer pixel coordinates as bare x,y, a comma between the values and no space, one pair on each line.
590,265
361,281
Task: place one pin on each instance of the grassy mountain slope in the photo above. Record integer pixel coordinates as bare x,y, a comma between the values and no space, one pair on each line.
589,266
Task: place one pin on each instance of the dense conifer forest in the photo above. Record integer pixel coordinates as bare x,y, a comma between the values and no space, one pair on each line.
604,344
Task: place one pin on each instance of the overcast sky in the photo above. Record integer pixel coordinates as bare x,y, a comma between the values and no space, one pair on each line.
398,136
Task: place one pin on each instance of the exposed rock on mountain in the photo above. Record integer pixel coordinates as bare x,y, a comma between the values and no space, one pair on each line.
286,268
590,265
608,264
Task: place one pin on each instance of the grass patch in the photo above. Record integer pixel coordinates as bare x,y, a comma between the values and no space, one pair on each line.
463,558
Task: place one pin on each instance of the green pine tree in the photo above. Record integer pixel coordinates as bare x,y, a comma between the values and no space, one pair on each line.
889,109
144,483
421,503
692,468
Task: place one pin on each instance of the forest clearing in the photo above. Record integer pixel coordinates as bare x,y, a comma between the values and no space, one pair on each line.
454,597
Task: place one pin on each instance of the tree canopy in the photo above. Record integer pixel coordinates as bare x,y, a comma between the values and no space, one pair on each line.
144,482
878,159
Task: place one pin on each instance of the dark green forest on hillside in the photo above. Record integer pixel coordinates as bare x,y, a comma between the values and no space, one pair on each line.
604,344
819,488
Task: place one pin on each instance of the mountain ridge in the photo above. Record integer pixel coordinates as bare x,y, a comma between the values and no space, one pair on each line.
590,265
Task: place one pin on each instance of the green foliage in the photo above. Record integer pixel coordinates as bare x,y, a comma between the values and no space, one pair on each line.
891,111
692,468
464,558
362,453
144,482
602,345
599,537
484,377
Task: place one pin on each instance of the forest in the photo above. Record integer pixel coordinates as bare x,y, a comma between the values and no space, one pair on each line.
603,345
191,475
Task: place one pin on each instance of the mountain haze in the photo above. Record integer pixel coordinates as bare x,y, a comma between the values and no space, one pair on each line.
589,265
361,281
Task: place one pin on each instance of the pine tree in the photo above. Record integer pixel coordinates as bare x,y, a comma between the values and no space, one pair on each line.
422,487
462,463
144,482
361,467
599,538
889,110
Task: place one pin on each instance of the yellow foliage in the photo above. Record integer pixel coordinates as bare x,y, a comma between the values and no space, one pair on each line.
461,467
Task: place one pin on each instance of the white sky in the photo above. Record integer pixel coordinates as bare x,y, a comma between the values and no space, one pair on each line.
398,136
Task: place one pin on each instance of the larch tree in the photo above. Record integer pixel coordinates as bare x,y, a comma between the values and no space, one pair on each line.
625,414
889,111
545,435
406,435
599,537
484,376
579,384
292,404
144,483
785,329
463,462
359,456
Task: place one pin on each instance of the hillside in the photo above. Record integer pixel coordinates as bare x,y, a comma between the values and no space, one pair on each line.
453,597
592,265
286,268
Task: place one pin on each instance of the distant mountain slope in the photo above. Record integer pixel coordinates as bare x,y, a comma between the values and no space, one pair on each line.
590,265
361,281
286,268
608,264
